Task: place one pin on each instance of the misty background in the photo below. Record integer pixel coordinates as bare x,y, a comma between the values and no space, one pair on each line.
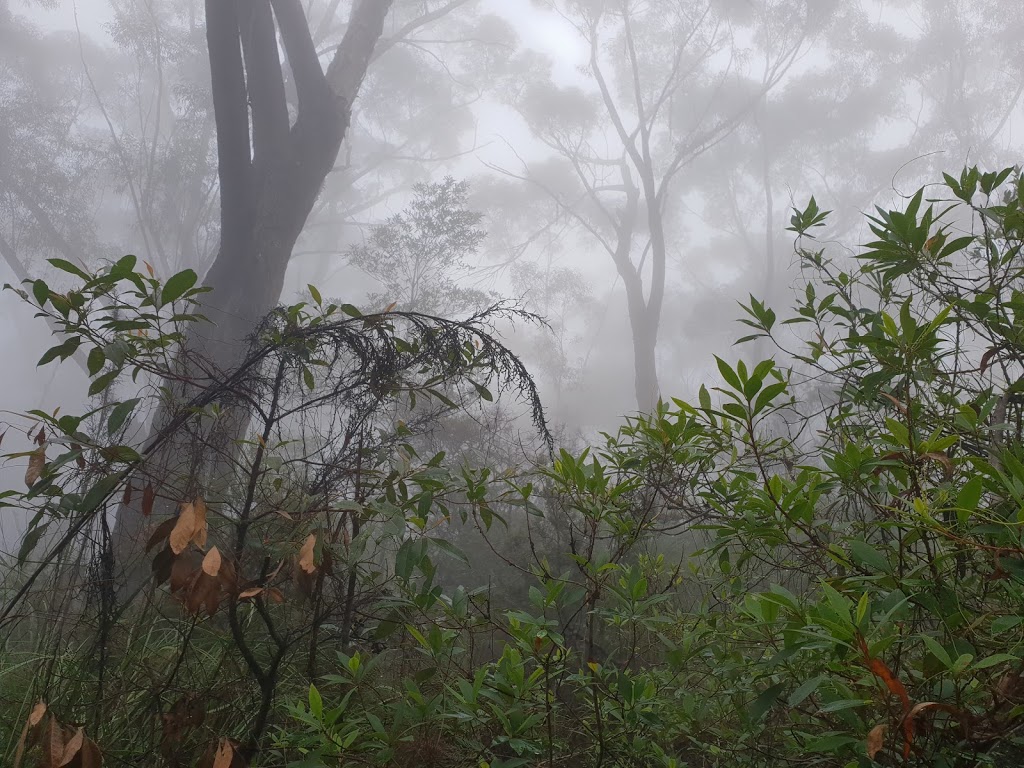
632,164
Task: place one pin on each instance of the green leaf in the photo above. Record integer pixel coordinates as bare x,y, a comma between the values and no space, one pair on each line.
67,266
998,658
119,414
315,294
96,361
41,291
759,706
30,541
307,377
970,494
866,555
177,285
450,549
728,374
101,383
316,702
805,690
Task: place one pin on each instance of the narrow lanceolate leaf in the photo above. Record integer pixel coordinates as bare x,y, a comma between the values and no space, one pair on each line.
892,682
184,528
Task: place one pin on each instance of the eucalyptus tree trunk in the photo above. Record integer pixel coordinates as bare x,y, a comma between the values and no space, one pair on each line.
271,169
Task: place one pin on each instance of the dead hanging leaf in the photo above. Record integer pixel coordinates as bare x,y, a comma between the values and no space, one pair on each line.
944,460
90,756
127,498
899,406
72,747
211,563
306,555
161,532
876,739
199,533
184,528
986,359
881,669
245,594
276,595
390,307
41,436
2,436
225,754
186,713
162,565
149,268
285,515
79,455
36,464
35,717
182,571
53,743
148,497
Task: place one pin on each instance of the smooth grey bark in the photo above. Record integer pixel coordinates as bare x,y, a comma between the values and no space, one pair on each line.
271,171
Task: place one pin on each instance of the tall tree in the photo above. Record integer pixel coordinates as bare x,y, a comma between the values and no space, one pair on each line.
271,167
665,84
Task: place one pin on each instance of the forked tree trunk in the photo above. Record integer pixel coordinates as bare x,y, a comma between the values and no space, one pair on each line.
271,170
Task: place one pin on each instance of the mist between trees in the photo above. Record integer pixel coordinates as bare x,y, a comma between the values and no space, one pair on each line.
416,429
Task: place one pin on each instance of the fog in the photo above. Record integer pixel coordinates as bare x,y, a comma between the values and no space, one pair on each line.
363,276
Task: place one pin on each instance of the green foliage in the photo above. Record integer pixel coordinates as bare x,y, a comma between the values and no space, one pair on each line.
819,562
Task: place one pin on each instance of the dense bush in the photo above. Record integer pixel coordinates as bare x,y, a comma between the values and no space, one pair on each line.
817,563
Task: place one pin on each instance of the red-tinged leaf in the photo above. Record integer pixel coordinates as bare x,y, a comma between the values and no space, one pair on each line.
80,457
876,740
90,756
986,359
893,456
276,595
881,669
127,498
148,497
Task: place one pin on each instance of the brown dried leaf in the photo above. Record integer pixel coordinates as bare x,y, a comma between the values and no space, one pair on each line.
36,464
986,359
35,717
148,497
91,757
276,595
182,571
161,532
876,739
245,594
225,754
53,743
72,748
944,460
211,563
306,555
285,515
162,565
80,457
41,436
899,406
184,528
199,534
127,498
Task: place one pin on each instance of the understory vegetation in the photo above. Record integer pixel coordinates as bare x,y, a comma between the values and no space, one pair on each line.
817,563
